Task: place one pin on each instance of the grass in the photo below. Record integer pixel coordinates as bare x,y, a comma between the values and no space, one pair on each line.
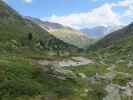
122,79
72,37
21,80
17,34
18,77
22,41
124,68
90,69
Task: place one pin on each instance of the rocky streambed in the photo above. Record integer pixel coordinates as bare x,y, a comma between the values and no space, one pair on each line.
74,61
113,91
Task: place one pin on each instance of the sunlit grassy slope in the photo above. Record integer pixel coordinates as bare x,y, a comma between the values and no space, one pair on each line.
72,37
64,33
17,33
117,45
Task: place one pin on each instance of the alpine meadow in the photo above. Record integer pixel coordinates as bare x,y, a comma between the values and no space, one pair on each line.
66,50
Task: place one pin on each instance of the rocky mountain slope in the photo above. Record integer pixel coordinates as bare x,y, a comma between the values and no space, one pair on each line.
116,45
66,34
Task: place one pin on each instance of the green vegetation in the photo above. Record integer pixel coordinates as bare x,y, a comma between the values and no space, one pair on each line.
22,42
72,37
18,77
64,33
124,68
114,47
122,79
96,91
91,69
18,34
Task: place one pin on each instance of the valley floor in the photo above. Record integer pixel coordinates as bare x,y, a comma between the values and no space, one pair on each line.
69,62
70,78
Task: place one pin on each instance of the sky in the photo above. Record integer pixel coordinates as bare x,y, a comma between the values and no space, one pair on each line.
77,13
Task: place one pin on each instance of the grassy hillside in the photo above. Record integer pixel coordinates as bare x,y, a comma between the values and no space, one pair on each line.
17,33
117,45
72,37
21,41
22,77
116,36
66,34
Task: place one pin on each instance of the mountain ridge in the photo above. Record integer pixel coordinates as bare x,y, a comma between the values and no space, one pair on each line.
18,32
64,33
116,45
100,31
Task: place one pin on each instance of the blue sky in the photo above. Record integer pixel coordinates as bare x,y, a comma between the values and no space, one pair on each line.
77,13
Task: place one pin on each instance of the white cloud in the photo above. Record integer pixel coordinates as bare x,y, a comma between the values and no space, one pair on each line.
28,1
4,0
127,15
127,4
102,15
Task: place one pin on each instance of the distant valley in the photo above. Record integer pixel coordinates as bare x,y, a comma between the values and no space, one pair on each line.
100,31
67,34
43,60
